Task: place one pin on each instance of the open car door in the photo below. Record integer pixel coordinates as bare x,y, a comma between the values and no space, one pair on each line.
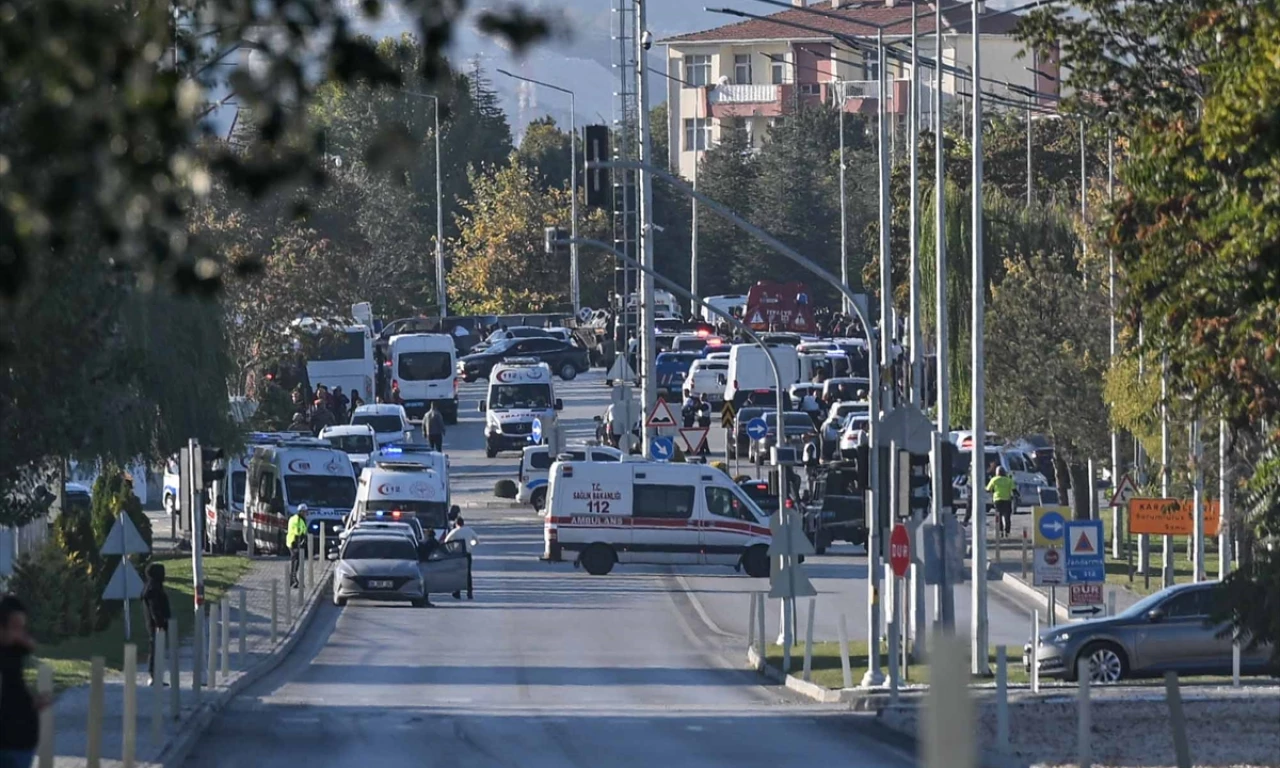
445,570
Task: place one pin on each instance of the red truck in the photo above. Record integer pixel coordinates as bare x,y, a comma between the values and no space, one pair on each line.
779,307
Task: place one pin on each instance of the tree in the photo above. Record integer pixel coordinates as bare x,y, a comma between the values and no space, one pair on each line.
545,148
501,264
727,174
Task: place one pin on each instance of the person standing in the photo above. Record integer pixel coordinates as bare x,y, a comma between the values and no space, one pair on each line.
433,428
340,403
1001,488
296,540
156,602
465,533
19,709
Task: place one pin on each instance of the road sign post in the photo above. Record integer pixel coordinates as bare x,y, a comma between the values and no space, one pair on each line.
1084,558
535,431
1085,601
662,448
661,416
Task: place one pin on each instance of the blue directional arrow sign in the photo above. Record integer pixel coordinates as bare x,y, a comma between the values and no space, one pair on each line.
1052,525
1084,552
756,428
662,448
536,431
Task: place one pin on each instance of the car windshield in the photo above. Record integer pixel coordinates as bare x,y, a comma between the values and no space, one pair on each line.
381,423
379,549
237,486
747,414
791,420
1140,608
361,444
844,409
857,422
431,514
425,366
521,396
676,359
963,458
691,344
316,491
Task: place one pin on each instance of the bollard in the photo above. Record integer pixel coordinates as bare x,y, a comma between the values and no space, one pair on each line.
999,541
894,670
275,610
44,686
224,642
93,742
1002,698
751,623
808,642
947,721
760,628
1084,724
129,729
158,664
1111,603
324,552
1024,554
175,659
288,604
244,639
1235,663
197,652
846,672
1177,720
311,570
1035,651
212,680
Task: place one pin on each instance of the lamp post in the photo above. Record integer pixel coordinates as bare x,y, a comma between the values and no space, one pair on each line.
441,296
575,279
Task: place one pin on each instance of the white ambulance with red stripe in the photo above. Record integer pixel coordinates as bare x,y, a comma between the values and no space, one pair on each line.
293,471
603,513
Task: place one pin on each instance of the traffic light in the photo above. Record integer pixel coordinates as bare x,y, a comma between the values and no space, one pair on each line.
949,461
597,189
916,484
212,467
862,467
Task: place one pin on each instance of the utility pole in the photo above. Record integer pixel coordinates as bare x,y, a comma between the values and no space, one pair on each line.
942,593
978,627
913,143
441,296
648,384
1116,531
886,266
1224,501
1166,566
844,214
1197,501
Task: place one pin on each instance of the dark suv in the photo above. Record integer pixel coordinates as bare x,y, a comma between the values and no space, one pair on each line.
565,360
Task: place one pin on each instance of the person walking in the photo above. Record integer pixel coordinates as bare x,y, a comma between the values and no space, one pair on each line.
1001,488
19,709
296,540
340,404
433,428
465,533
156,602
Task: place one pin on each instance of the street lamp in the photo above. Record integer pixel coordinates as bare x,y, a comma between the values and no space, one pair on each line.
440,292
575,283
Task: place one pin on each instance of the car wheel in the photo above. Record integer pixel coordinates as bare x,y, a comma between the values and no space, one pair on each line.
1107,663
339,601
539,499
859,539
419,603
756,562
568,372
598,560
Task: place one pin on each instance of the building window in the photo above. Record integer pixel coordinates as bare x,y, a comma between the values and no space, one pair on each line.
778,72
697,134
697,70
810,89
742,69
870,66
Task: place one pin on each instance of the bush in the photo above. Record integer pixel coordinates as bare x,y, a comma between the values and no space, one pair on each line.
59,592
505,489
112,494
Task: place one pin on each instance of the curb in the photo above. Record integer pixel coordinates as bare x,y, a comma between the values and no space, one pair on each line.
1028,592
192,729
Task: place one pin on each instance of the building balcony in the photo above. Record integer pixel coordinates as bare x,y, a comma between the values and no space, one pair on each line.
752,100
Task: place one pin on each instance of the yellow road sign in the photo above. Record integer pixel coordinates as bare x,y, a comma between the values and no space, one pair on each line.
1050,523
726,415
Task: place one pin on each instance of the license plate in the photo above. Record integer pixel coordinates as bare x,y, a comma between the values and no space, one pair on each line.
414,403
379,584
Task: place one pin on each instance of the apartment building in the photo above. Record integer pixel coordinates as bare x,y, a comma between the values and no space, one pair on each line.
760,70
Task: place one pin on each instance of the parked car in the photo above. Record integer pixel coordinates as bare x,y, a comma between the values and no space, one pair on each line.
1169,631
565,360
797,427
515,332
839,507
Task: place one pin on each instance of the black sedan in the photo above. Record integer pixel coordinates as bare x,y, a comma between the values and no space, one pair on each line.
565,360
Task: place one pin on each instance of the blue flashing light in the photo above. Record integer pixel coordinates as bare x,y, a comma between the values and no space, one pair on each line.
378,513
392,450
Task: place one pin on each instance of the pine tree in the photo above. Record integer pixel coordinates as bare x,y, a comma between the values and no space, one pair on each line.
727,174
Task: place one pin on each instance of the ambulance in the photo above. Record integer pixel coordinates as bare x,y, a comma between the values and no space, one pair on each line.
604,513
414,453
224,512
520,391
293,471
399,490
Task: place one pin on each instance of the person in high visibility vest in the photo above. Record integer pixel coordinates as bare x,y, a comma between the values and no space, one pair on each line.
296,540
1001,488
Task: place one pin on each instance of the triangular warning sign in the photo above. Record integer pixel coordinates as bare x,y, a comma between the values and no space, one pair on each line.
799,321
1125,491
621,370
124,584
694,437
1084,545
661,415
123,539
757,319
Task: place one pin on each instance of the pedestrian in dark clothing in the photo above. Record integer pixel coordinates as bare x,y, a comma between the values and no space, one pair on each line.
300,423
320,418
156,601
340,403
433,428
356,400
19,709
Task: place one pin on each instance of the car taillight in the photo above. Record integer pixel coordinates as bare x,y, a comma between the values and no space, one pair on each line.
789,504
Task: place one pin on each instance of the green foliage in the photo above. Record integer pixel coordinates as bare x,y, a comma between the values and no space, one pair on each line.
113,495
59,592
728,174
275,409
1135,399
545,148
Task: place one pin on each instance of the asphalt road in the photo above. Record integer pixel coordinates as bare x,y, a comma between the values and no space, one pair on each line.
550,666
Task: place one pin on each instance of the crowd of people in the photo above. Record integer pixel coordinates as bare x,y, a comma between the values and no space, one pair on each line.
323,408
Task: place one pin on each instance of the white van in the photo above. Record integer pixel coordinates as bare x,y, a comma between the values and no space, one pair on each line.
425,366
535,464
649,512
520,390
389,421
355,440
406,488
293,471
749,371
726,303
415,453
705,378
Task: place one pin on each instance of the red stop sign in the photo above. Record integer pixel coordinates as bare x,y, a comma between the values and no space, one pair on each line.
899,550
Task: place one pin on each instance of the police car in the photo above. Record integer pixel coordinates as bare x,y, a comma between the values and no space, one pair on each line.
536,460
602,514
520,390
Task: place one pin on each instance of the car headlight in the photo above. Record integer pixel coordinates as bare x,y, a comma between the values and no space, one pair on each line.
1061,638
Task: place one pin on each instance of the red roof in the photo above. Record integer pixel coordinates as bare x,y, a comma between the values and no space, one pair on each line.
777,26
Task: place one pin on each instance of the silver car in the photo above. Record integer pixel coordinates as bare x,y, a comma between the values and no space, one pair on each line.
1169,631
379,567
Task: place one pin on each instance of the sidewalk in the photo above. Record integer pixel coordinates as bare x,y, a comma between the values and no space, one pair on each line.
71,710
